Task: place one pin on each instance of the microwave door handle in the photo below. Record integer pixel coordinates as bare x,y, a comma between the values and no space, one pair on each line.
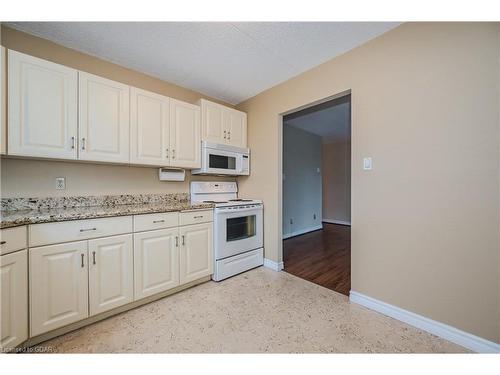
239,164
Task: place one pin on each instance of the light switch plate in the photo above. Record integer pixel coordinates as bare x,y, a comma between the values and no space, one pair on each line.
367,164
60,183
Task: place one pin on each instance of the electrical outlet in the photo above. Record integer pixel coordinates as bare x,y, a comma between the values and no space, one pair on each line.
60,183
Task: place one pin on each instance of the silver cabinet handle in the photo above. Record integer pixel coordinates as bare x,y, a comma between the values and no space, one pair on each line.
83,264
83,143
198,217
72,142
176,241
183,240
225,132
93,257
158,221
87,230
3,242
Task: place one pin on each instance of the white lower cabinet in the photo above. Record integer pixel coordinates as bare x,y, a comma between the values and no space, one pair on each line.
195,252
58,285
75,280
14,301
111,273
156,261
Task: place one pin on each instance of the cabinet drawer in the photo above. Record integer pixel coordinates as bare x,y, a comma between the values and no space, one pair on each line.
12,239
155,221
195,217
49,233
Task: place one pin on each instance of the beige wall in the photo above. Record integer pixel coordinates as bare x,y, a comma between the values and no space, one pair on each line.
21,178
36,178
336,179
425,106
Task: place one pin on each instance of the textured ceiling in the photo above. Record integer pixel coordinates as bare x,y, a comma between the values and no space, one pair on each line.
332,124
228,61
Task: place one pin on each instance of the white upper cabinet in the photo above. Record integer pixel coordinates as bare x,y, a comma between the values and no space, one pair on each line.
211,117
185,135
103,119
14,299
58,285
61,113
235,125
3,101
42,110
111,273
149,128
222,124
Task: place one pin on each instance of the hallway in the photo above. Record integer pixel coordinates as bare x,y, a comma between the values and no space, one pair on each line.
322,257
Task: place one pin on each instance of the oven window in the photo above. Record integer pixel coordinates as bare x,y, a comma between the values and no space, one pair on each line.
221,161
239,228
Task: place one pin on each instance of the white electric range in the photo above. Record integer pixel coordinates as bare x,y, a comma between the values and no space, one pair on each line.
238,227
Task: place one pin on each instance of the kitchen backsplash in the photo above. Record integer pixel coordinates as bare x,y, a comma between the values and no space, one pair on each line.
10,204
37,178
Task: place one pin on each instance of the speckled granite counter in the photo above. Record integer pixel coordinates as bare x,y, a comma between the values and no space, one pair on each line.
22,211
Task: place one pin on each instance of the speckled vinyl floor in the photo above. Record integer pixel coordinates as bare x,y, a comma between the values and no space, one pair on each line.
258,311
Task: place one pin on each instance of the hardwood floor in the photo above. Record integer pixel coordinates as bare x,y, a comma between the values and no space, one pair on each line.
322,257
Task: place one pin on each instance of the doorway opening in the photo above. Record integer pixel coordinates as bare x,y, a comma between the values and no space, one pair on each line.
316,193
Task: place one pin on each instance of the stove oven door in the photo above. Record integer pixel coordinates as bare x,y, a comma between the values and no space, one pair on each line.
237,230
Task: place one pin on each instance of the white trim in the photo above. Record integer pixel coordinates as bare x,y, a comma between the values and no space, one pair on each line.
341,222
276,266
302,231
467,340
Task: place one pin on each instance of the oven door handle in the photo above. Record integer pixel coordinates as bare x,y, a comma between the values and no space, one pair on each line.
231,211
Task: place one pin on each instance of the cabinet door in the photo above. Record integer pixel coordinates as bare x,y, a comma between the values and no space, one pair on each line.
42,108
58,285
3,102
196,252
149,118
111,270
212,126
185,137
156,262
235,125
14,290
103,120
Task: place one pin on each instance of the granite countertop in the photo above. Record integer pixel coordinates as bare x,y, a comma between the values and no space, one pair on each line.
16,217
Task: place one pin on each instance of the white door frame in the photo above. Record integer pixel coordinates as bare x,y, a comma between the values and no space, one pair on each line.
280,160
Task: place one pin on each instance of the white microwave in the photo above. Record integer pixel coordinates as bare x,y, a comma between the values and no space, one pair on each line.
219,159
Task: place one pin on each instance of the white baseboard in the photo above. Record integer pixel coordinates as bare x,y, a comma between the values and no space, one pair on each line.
341,222
276,266
467,340
302,231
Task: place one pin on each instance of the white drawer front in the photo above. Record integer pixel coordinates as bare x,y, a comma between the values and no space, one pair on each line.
12,239
236,264
49,233
155,221
195,217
